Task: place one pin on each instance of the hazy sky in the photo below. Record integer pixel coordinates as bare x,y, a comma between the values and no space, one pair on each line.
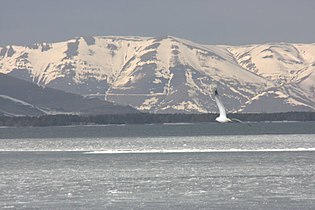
204,21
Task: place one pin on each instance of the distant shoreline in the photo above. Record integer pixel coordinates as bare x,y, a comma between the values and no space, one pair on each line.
148,124
146,118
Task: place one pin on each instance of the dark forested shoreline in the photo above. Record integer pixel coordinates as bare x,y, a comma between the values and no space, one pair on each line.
146,118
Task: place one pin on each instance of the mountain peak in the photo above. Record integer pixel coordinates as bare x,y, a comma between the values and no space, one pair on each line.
169,74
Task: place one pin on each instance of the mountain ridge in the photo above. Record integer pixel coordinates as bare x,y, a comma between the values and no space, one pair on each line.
23,98
169,74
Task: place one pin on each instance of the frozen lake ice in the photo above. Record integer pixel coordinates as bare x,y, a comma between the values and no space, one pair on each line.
66,171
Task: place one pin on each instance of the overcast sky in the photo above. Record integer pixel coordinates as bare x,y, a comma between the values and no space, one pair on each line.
204,21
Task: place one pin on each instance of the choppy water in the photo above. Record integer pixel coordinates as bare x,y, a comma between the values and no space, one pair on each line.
100,170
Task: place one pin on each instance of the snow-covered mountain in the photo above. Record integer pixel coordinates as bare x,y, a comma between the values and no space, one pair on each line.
168,74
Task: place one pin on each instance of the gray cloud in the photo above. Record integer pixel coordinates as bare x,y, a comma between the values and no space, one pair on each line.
205,21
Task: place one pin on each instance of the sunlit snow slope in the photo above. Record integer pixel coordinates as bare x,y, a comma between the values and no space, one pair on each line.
168,74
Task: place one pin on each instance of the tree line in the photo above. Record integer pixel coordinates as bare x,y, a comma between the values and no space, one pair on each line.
147,118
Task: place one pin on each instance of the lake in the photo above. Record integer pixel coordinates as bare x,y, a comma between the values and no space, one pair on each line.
172,166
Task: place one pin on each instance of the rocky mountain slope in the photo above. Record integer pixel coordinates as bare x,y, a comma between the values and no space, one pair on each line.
22,98
168,74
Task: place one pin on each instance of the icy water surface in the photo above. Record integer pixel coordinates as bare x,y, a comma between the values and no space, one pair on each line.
97,170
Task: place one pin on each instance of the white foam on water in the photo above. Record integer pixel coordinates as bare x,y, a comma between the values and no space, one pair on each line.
198,151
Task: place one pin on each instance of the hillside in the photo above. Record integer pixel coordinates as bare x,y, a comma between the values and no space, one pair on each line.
22,98
169,74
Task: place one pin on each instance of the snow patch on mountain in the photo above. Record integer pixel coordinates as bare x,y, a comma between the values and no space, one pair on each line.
14,107
169,74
